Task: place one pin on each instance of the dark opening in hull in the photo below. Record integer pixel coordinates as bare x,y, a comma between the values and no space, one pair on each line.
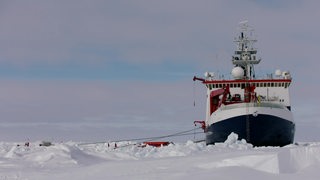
261,130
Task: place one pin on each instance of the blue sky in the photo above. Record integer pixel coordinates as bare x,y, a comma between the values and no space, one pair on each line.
129,64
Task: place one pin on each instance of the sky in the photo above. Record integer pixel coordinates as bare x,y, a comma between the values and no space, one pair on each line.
108,69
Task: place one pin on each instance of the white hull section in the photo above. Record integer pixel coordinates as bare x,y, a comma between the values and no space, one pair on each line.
233,110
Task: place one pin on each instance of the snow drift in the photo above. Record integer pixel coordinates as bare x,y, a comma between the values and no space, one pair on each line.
229,160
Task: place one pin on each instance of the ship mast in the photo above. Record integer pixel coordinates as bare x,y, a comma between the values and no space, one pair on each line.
245,54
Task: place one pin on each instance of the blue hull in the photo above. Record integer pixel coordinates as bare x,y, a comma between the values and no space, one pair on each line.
262,130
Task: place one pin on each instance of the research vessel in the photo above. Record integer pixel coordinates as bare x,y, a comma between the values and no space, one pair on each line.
256,108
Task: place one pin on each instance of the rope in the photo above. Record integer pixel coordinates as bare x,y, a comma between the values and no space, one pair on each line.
194,93
182,133
138,143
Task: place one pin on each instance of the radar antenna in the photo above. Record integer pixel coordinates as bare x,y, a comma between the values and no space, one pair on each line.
245,55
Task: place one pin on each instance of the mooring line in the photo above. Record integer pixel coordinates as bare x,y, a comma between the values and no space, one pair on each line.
182,133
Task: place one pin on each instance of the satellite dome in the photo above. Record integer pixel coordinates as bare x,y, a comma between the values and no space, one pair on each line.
278,73
237,73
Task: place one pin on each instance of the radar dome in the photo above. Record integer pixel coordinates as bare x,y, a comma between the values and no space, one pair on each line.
237,73
278,73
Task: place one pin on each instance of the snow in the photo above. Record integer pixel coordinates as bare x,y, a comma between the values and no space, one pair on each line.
233,159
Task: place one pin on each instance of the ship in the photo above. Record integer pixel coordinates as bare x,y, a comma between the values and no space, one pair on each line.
256,108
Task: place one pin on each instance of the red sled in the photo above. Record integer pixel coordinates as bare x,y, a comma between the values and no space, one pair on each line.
157,144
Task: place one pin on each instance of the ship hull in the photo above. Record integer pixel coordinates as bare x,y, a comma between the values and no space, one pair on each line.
259,130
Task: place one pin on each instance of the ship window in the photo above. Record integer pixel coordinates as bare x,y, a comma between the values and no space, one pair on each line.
275,84
282,84
264,84
272,84
286,85
268,84
220,85
231,85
